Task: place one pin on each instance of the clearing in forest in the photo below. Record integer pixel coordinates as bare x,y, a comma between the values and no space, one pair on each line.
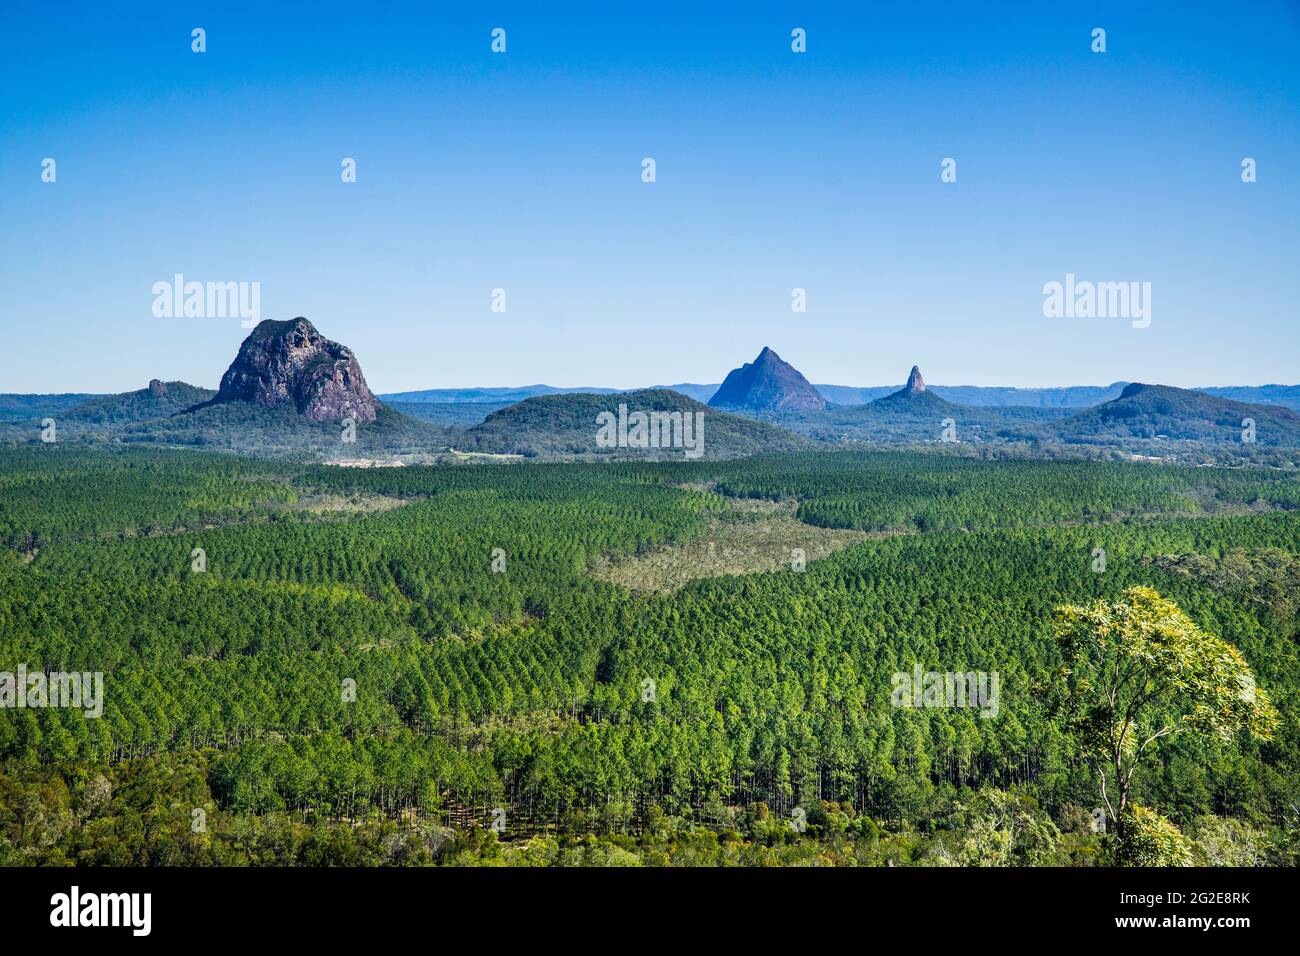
751,536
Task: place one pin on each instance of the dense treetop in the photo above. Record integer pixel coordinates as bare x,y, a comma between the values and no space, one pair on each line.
490,670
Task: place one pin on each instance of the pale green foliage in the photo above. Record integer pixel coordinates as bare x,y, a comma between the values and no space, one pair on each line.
1005,829
1145,649
1151,840
1224,841
1140,669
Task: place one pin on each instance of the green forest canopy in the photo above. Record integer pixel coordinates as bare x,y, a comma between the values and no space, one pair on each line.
526,688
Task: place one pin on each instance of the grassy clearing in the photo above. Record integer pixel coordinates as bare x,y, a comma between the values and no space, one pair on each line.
483,456
355,503
751,536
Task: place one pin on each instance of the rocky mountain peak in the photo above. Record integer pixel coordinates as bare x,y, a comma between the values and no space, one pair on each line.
289,362
914,381
767,384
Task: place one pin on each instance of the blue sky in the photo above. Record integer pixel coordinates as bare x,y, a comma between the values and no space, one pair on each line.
774,171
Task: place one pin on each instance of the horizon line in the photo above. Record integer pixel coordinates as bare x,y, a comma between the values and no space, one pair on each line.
641,388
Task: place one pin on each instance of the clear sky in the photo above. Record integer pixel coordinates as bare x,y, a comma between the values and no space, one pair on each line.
775,170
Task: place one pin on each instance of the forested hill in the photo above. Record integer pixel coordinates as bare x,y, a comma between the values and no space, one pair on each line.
1149,411
183,416
249,428
159,400
567,425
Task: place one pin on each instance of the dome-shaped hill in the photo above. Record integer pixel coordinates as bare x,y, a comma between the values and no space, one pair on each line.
651,423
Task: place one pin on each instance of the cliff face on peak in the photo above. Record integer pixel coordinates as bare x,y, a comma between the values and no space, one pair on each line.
767,384
914,397
290,363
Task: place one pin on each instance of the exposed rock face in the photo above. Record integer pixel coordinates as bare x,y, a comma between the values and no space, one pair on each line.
767,384
291,363
912,395
157,388
914,399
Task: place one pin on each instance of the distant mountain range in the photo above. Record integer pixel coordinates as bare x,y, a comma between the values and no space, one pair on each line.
291,391
1068,396
454,396
21,408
